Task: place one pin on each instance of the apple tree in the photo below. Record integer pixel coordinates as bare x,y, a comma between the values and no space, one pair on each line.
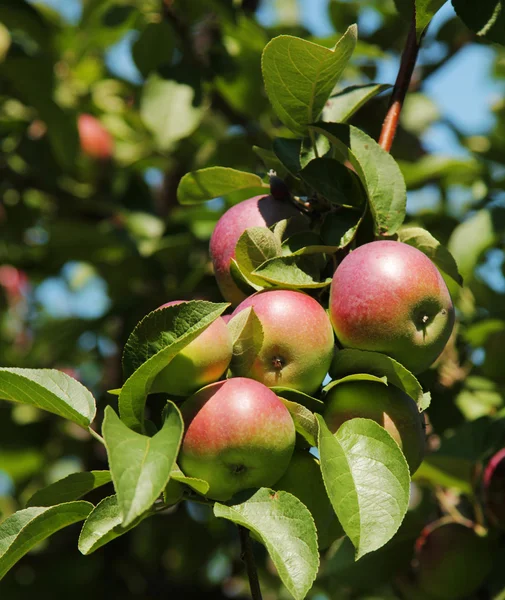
252,318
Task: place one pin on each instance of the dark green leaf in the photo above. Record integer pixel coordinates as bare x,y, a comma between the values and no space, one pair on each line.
333,181
72,487
339,228
486,18
424,11
286,528
341,107
20,532
154,47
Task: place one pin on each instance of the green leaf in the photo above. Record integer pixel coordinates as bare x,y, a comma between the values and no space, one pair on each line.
217,182
486,18
424,11
313,404
295,154
255,246
20,532
423,240
243,282
367,480
340,228
104,525
49,390
167,110
140,466
304,420
72,487
198,485
292,272
271,161
286,528
300,76
154,47
378,171
355,377
349,361
154,342
341,107
247,336
333,181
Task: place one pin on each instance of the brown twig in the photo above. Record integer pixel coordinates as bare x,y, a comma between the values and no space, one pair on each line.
248,558
400,89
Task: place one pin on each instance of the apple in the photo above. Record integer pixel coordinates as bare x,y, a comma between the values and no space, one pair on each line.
493,483
202,361
259,211
452,561
304,480
238,435
389,297
95,140
298,341
387,405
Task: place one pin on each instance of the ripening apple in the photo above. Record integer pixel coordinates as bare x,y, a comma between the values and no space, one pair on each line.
202,361
389,297
452,560
238,435
298,341
493,484
95,140
387,405
304,480
259,211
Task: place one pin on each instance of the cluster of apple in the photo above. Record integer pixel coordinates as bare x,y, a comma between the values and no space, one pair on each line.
385,297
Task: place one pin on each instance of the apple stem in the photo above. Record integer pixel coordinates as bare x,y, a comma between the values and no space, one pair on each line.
248,558
400,89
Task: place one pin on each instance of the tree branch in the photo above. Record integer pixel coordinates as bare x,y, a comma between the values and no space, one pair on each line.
248,558
402,83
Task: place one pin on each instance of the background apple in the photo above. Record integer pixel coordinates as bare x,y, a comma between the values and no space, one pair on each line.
95,140
304,480
452,561
239,435
298,341
202,361
259,211
387,405
389,297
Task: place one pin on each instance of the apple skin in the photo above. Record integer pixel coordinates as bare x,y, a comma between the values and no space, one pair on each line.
304,480
389,297
298,341
388,406
202,361
259,211
493,487
239,435
452,561
95,140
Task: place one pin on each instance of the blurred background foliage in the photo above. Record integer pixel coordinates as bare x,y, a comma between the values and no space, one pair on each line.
89,246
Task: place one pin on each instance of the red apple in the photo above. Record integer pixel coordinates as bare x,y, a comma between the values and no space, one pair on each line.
298,341
493,483
389,297
239,435
259,211
387,405
452,561
202,361
96,141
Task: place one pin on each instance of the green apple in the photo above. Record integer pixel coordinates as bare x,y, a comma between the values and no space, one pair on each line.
386,405
298,341
304,480
389,297
202,361
238,435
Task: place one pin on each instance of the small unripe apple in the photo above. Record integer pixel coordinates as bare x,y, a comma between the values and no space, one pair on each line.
202,361
389,297
238,435
298,341
95,140
493,484
259,211
452,561
304,480
387,405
